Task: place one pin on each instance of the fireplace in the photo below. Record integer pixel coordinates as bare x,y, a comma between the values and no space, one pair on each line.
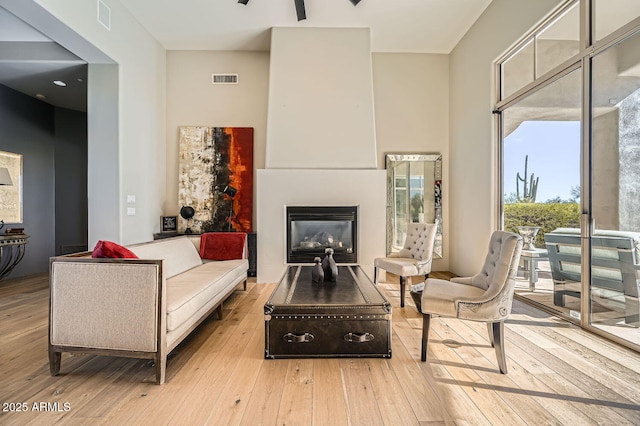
312,229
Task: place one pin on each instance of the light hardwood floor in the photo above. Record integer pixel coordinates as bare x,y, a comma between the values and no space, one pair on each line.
558,374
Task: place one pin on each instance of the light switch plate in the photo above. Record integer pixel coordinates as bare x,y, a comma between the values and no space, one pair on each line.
131,199
131,211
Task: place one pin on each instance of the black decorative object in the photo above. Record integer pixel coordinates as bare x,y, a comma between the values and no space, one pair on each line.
187,213
329,266
354,2
317,273
231,192
247,1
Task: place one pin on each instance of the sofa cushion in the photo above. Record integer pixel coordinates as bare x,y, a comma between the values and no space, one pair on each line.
188,292
223,245
110,249
179,254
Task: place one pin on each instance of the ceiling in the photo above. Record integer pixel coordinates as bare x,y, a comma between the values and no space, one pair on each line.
29,61
419,26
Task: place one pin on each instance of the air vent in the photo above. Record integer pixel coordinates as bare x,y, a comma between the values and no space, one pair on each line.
224,78
104,15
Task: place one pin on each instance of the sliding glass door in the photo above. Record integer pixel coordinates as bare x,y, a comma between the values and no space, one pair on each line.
615,190
568,108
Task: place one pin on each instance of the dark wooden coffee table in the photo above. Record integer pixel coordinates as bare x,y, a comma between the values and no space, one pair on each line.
347,318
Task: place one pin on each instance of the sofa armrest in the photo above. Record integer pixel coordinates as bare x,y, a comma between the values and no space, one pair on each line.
114,304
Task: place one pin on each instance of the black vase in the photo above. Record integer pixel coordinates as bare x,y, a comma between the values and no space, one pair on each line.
329,266
317,273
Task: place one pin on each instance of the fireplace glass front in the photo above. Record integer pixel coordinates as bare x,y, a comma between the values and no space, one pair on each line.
312,229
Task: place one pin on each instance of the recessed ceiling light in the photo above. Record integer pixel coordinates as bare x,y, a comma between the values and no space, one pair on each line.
59,83
40,96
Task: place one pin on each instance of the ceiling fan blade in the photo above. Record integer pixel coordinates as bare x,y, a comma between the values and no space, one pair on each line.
302,14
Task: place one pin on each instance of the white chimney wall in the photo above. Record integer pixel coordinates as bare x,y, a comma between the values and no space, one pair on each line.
320,113
321,147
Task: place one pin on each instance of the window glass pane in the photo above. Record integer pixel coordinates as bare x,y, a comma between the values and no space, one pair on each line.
615,248
559,41
518,70
613,14
541,173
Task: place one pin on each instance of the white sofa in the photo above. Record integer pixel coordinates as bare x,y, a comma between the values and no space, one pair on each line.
139,308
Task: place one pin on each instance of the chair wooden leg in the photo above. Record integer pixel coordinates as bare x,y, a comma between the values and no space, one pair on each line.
54,362
403,287
490,330
426,322
498,338
375,275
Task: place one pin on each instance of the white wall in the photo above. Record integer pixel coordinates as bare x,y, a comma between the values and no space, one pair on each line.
138,167
320,99
473,168
193,101
411,95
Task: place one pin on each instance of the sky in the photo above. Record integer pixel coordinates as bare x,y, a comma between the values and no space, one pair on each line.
553,148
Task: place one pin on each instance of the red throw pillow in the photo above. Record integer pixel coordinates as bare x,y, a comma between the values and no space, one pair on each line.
112,250
222,245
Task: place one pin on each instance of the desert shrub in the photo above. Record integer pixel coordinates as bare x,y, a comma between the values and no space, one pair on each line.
547,216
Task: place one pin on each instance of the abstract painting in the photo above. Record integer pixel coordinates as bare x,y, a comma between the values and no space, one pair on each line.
216,178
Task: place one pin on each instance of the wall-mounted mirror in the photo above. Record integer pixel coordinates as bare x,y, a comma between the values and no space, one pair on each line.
414,194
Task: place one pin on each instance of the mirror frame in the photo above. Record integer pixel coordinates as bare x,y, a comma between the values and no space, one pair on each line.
393,160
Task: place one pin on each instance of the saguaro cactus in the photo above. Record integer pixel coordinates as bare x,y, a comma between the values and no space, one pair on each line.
530,188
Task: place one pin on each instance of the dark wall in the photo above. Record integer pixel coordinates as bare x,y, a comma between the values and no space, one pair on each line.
71,181
28,127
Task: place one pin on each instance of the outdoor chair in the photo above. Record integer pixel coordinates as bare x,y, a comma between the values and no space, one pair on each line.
615,262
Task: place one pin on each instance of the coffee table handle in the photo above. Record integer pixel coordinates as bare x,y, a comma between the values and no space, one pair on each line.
358,337
298,338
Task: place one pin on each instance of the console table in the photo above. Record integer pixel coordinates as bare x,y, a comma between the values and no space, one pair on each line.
11,252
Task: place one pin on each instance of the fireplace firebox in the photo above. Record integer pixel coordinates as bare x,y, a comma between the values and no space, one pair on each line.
312,229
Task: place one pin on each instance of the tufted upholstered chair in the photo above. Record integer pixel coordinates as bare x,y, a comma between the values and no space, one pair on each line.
414,259
486,297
